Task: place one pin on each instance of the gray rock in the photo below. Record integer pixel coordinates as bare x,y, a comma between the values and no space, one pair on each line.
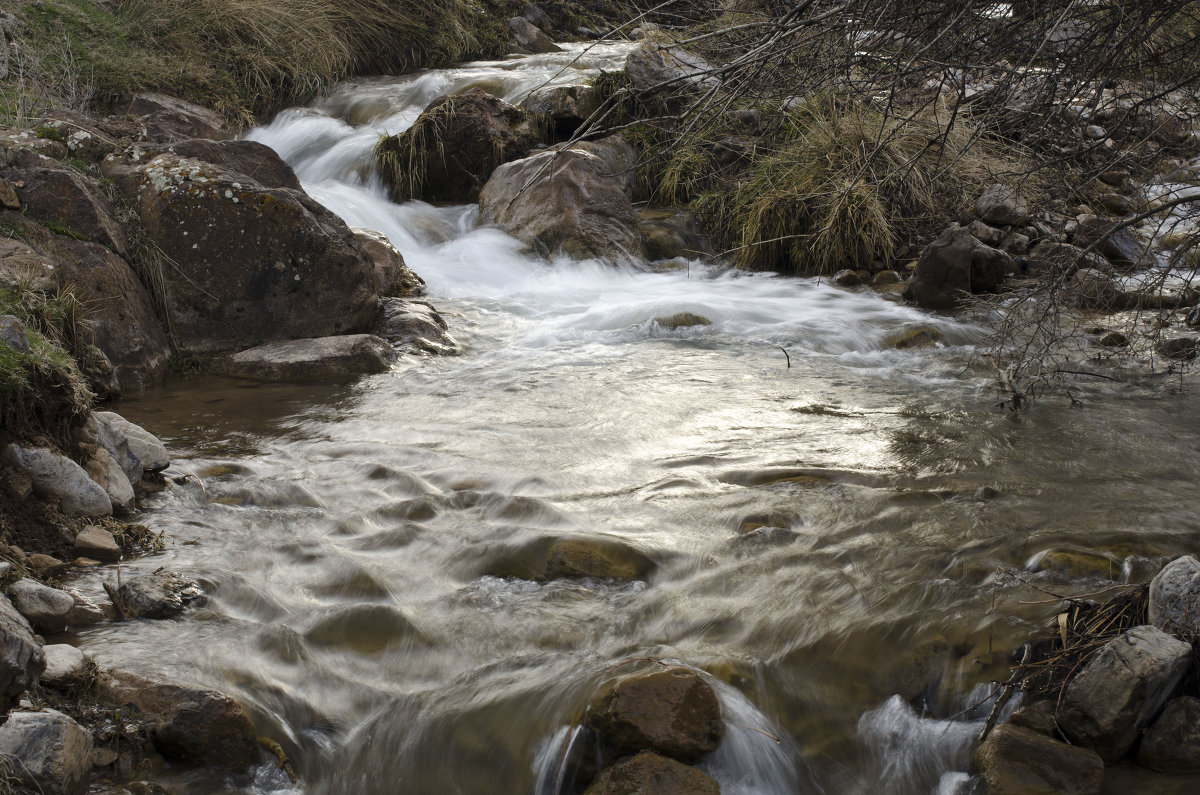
57,477
86,612
417,327
1095,132
107,474
1003,206
1052,253
164,594
847,278
954,266
1018,761
989,235
21,657
66,666
52,753
48,609
1093,289
1175,598
1121,247
97,543
12,334
654,66
103,433
318,359
537,16
393,277
524,36
1182,349
143,445
1109,702
1172,743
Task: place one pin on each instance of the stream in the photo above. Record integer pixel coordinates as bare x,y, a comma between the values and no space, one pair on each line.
848,538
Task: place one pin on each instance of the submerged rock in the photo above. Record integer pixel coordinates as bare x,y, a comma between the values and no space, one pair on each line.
914,337
164,594
1109,702
318,359
52,753
565,557
417,327
673,712
1018,761
682,320
648,772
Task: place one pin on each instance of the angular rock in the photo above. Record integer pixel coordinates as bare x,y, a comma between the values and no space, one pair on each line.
21,658
954,266
1120,247
167,119
393,277
59,195
847,278
673,712
187,723
577,201
1109,702
454,146
97,543
258,161
524,36
648,772
320,359
66,666
1003,206
417,327
1018,761
654,67
86,612
249,264
45,565
1175,598
48,609
143,445
59,478
1172,743
101,432
107,474
52,754
164,594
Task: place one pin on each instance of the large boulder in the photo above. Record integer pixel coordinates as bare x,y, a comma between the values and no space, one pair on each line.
526,37
1018,761
1120,247
1003,206
1175,598
672,711
145,447
1172,743
453,147
653,66
955,266
57,477
1119,691
648,772
575,200
48,609
319,359
50,752
249,264
21,658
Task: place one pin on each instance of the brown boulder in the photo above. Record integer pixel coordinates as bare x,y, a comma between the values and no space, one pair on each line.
648,772
955,266
453,147
575,200
1019,761
257,161
250,264
565,557
167,119
673,711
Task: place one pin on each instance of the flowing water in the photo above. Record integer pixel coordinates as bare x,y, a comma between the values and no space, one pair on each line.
346,531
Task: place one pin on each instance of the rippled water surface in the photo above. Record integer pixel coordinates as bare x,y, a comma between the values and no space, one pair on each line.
346,531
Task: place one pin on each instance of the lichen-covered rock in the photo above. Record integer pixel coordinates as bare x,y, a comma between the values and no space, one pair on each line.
953,267
1113,698
167,119
21,658
51,753
673,712
59,195
1002,205
648,772
454,146
1018,761
249,264
164,594
574,200
57,477
47,609
257,161
1172,743
319,359
1175,598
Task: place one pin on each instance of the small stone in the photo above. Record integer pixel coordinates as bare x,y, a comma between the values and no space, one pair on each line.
1003,206
648,772
682,320
96,542
103,469
143,445
847,278
12,333
66,666
48,609
52,753
46,565
1113,339
1172,743
1175,598
8,196
1015,243
1095,132
985,233
886,277
1018,761
164,594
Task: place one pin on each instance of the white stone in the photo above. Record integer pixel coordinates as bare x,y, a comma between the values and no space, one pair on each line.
66,666
48,609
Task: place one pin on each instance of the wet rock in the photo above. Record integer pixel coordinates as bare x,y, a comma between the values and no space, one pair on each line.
57,477
168,120
1113,339
914,337
681,320
524,36
1093,289
886,277
66,666
1076,563
97,543
393,277
60,196
1120,247
566,106
847,278
417,327
365,629
1193,318
21,657
164,594
669,234
1175,598
102,433
454,146
653,66
1109,702
186,723
143,445
293,269
1003,206
648,772
52,753
1182,349
318,359
1018,761
1172,743
47,609
105,471
564,557
1050,254
673,712
1038,716
577,201
954,266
